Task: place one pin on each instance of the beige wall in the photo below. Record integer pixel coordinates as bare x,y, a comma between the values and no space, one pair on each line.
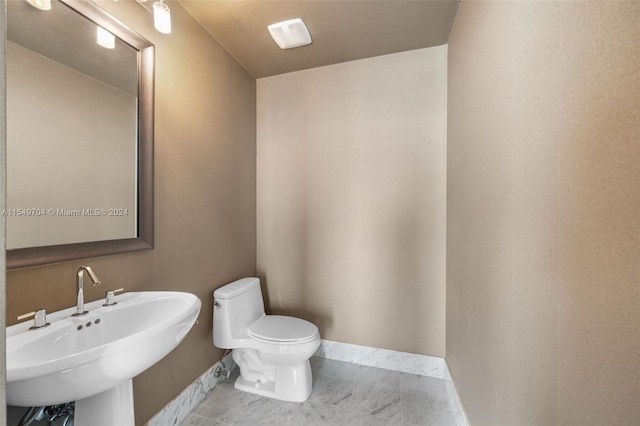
351,198
543,212
204,199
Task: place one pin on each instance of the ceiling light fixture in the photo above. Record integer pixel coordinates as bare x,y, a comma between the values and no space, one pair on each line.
290,34
161,15
40,4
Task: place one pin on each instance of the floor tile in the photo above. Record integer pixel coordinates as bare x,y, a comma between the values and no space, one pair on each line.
224,403
378,376
266,411
426,409
423,383
361,419
332,368
332,391
342,394
193,420
314,414
377,400
270,412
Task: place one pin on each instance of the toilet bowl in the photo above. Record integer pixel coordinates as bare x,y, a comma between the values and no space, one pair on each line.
272,351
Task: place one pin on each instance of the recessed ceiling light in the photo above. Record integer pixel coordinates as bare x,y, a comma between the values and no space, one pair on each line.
290,34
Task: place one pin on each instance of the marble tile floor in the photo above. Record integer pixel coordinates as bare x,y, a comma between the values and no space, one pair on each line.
343,394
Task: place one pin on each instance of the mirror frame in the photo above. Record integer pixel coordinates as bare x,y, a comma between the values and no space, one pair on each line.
36,256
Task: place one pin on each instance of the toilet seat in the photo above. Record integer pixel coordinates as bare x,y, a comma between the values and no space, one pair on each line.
282,329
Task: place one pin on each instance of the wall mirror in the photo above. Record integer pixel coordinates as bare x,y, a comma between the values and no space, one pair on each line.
79,134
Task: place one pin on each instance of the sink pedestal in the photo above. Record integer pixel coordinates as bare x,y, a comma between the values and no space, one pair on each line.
109,408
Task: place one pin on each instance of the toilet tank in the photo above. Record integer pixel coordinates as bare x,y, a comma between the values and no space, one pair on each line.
236,306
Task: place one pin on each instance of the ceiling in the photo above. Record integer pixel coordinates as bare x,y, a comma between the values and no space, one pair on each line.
341,30
69,38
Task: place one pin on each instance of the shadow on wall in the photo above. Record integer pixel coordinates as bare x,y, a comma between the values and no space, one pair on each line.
370,271
314,316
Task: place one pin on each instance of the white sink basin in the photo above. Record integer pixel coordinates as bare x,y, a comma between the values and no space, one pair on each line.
78,357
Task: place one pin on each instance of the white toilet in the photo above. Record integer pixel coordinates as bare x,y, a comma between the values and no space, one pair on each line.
272,351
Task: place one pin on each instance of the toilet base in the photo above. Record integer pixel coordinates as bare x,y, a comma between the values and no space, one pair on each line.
292,383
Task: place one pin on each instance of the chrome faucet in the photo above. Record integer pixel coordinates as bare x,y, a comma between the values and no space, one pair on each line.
80,280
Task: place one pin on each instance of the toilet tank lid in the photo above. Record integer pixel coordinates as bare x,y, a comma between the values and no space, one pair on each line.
236,288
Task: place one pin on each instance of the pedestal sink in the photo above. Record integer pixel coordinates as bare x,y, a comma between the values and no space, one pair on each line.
92,359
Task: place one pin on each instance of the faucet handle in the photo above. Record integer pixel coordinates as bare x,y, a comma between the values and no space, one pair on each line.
39,318
110,297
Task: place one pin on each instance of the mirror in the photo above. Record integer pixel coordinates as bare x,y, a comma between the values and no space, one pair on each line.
79,134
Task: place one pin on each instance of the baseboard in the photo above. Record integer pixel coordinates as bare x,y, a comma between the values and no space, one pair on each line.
183,404
404,362
454,399
180,407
